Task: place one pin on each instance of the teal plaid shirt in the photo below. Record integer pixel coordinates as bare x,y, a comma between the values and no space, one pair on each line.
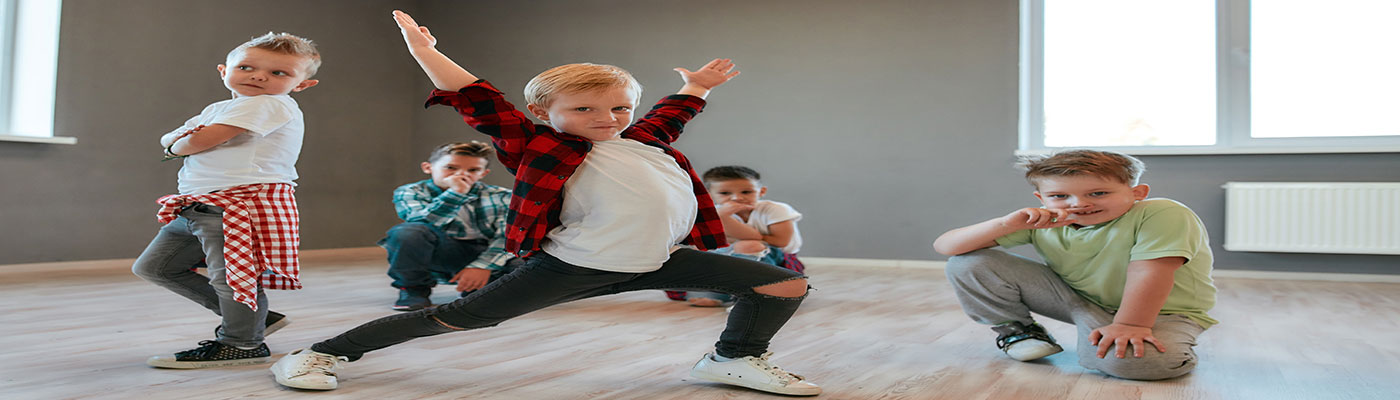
486,206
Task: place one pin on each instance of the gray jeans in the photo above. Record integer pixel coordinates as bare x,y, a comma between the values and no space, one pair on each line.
545,281
198,233
996,287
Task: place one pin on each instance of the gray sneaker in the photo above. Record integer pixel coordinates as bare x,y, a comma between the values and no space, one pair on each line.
413,298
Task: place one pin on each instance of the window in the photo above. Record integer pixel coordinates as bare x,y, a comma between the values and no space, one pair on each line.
1210,76
28,68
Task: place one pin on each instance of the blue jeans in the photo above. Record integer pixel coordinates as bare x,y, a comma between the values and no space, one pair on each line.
421,255
198,233
545,281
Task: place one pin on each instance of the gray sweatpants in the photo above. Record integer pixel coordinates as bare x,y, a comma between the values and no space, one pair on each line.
996,287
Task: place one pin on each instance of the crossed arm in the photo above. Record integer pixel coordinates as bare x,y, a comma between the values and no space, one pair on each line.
187,142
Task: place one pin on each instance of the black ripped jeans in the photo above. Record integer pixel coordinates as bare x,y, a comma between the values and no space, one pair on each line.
545,281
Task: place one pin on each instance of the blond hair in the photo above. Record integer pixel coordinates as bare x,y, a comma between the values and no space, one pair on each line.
284,43
574,78
1104,164
471,149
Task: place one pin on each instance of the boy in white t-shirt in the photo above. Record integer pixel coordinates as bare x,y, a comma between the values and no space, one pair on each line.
757,229
235,208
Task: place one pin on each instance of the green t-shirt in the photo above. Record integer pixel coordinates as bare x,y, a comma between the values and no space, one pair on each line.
1093,260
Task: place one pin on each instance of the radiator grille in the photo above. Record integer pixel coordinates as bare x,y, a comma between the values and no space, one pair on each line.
1352,218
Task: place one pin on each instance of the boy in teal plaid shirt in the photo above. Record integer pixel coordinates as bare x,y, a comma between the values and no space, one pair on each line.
453,229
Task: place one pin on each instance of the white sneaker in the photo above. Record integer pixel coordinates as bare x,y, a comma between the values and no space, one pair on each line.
1031,349
1024,342
754,373
306,369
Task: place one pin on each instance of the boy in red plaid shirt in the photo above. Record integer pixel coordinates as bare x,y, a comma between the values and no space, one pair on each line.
235,209
601,205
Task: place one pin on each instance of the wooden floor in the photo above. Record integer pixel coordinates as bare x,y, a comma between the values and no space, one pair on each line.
865,333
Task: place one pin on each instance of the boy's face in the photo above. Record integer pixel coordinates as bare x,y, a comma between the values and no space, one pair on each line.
742,191
1090,199
598,115
259,72
452,165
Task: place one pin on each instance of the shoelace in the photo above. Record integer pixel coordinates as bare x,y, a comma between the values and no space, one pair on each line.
206,349
783,376
323,364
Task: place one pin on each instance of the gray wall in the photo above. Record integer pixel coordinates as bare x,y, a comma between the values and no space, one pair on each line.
132,70
885,122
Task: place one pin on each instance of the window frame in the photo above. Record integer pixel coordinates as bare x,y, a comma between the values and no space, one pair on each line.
10,24
1232,96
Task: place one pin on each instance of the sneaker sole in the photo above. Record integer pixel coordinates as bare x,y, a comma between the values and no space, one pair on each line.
408,308
299,385
276,326
779,390
1037,353
160,362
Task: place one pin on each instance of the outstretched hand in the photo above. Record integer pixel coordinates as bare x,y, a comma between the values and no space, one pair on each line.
716,73
414,35
700,81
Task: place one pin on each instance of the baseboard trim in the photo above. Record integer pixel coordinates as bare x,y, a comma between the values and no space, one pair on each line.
361,253
1219,273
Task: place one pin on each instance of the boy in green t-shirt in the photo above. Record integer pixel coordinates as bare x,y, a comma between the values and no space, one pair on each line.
1127,270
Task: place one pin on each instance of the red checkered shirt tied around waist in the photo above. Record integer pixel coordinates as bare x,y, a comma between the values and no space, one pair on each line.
542,159
260,235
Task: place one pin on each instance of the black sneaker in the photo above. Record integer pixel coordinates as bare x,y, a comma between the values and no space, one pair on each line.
1025,342
273,323
212,354
413,298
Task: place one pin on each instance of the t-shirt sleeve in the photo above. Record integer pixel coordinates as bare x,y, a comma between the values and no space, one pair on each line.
258,114
1014,239
779,212
1168,231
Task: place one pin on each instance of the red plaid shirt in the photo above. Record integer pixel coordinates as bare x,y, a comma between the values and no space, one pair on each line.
542,159
260,235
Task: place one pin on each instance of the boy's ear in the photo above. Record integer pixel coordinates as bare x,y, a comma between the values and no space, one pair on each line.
1140,191
221,71
427,168
539,112
305,85
762,191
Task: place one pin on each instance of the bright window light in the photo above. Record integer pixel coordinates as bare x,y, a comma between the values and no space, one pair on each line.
1324,69
1129,73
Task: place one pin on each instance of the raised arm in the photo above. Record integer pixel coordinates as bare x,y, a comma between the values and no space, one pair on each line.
983,234
445,74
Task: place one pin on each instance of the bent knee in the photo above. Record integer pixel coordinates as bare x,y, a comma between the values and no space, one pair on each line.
411,231
788,288
965,263
1148,369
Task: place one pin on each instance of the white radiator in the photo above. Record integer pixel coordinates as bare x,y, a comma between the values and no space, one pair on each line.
1352,218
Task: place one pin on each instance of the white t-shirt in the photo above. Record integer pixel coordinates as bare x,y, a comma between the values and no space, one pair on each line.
625,208
266,153
766,213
